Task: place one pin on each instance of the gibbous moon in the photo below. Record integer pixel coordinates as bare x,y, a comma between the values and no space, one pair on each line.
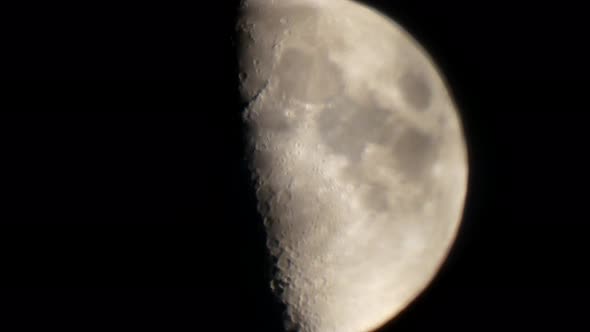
358,157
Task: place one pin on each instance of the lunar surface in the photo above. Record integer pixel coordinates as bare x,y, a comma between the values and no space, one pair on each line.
357,155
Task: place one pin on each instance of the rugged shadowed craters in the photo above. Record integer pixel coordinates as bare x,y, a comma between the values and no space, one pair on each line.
283,17
261,162
258,55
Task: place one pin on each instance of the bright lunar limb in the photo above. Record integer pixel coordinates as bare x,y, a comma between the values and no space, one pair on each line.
358,158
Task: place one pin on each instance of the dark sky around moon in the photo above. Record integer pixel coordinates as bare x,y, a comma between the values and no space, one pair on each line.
124,204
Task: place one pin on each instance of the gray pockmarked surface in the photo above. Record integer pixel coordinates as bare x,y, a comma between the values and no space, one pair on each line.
358,157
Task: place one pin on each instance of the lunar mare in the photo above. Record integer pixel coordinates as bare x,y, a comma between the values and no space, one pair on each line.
358,158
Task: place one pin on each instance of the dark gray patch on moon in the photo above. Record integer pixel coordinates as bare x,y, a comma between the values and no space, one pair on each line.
376,198
372,124
338,133
347,127
328,79
414,153
295,71
415,89
308,76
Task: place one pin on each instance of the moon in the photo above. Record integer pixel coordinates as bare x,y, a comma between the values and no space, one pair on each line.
357,156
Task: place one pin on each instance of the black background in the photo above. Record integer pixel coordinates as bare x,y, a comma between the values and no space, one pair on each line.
125,204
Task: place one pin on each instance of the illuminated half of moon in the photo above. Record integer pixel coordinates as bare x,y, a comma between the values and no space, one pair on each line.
358,159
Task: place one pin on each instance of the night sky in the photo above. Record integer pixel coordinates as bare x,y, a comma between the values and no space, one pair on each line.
124,199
